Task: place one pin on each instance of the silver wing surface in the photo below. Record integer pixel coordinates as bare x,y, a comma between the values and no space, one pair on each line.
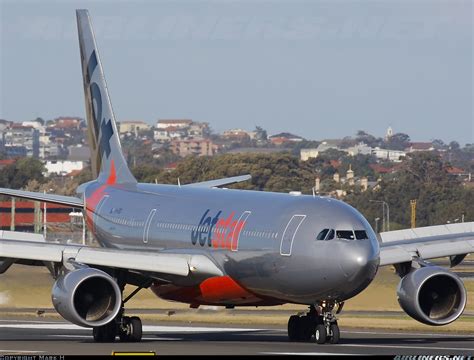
451,240
15,247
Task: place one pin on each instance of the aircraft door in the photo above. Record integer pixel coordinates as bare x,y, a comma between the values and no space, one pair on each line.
99,207
238,229
289,234
146,229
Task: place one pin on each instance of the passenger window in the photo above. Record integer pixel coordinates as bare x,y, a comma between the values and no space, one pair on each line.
360,234
322,234
345,234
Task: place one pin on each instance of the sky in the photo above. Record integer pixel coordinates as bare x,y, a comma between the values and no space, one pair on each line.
319,69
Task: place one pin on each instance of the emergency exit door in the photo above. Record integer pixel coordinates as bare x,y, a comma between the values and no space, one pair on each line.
289,234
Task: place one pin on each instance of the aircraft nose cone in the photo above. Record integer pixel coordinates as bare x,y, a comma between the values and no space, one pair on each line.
358,257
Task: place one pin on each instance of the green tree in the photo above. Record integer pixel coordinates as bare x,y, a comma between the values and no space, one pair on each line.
17,175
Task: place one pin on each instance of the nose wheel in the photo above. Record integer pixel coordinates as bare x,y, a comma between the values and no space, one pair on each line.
317,325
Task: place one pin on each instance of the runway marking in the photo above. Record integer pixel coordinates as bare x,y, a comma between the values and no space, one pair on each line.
90,337
405,347
153,328
20,351
306,353
400,333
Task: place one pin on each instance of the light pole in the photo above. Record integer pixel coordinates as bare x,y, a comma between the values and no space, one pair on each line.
385,223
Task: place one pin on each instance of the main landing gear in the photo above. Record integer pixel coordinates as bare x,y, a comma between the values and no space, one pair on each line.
129,329
319,324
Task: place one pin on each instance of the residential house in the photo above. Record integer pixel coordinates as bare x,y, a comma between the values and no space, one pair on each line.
180,123
132,127
200,147
62,167
306,154
390,155
420,146
169,133
282,138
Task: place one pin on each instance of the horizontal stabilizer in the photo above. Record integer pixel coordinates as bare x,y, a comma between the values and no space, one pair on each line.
221,182
51,198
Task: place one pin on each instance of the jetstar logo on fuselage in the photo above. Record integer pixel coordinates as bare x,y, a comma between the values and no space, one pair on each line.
217,232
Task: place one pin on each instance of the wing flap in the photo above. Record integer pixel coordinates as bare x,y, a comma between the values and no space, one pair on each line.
51,198
221,182
134,260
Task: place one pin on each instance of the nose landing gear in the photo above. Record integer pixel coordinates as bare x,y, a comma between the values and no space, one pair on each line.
319,323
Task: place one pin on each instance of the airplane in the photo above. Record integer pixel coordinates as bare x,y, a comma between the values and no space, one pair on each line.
205,244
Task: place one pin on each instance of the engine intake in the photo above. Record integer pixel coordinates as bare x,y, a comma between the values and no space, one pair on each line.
432,295
87,297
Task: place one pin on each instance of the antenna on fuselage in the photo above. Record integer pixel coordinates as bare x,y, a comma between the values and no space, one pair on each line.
179,183
314,194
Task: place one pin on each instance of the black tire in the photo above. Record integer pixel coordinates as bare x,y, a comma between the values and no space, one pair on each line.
335,334
320,334
306,329
105,333
136,330
124,334
294,328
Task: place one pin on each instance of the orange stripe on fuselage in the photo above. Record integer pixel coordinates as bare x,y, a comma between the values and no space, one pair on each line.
93,200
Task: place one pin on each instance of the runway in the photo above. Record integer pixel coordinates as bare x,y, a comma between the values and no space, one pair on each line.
41,337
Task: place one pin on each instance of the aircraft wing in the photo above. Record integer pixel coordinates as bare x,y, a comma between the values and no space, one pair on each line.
453,240
56,199
221,182
141,261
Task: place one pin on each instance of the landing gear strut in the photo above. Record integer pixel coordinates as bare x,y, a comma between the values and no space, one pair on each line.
320,323
129,329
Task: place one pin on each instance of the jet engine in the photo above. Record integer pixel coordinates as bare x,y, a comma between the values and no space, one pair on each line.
432,295
87,297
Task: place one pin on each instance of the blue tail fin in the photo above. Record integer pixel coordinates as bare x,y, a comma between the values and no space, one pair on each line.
107,160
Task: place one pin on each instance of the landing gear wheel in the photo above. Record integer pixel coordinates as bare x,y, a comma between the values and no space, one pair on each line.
105,333
124,332
137,330
306,329
131,329
320,334
335,334
294,328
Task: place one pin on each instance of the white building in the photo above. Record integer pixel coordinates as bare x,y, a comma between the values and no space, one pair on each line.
391,155
360,148
306,154
62,167
169,133
132,127
180,123
34,124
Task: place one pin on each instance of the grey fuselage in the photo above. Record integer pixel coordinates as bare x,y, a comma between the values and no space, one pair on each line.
266,242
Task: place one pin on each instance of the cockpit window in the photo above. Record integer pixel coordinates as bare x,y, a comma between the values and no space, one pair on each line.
322,234
345,234
360,234
330,235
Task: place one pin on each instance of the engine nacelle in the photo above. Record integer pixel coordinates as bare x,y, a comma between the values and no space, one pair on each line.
432,295
87,297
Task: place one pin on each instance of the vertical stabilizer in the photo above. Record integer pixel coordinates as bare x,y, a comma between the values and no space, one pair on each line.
107,160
